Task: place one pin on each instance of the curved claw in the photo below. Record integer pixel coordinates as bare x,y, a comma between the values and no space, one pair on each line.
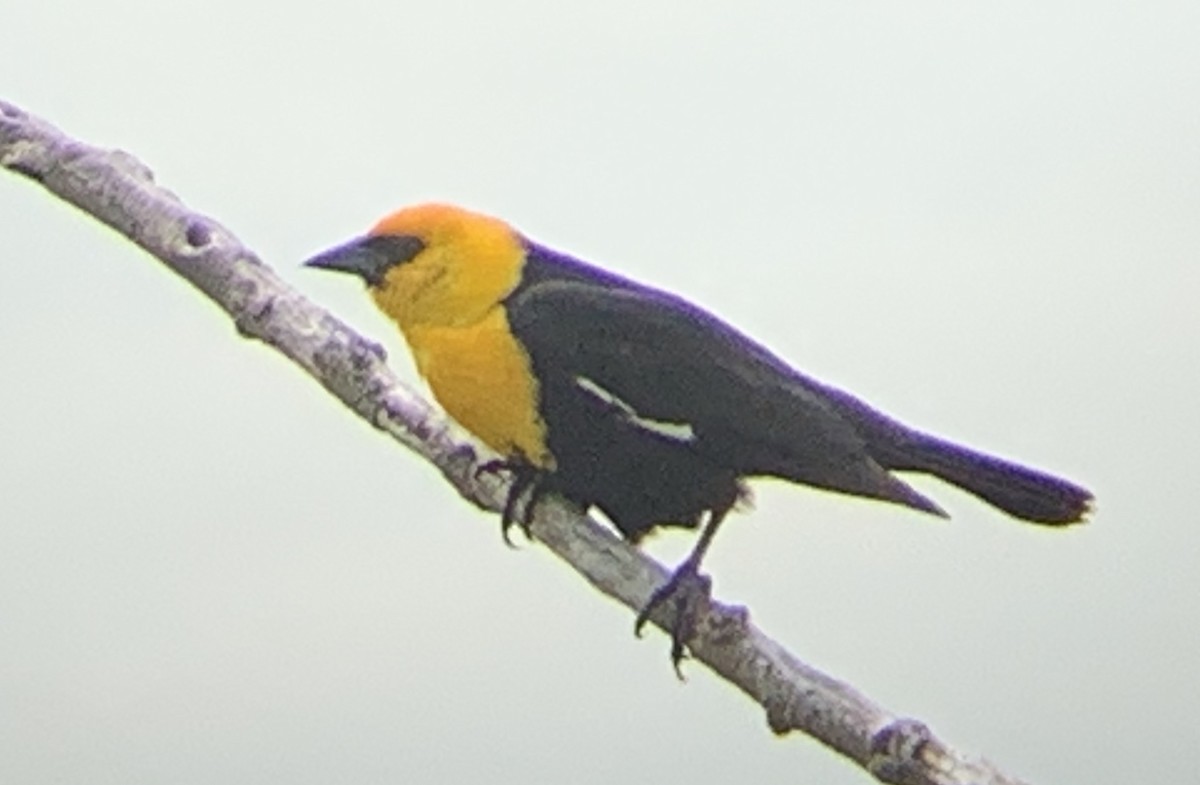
688,592
509,515
526,479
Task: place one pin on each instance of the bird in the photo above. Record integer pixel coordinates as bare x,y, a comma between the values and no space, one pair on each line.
629,399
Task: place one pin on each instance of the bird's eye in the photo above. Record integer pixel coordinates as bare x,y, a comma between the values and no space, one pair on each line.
396,248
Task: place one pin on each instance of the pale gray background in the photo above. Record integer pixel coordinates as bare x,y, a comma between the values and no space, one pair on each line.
984,220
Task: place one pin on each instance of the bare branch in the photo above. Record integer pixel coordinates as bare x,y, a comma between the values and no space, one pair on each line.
118,190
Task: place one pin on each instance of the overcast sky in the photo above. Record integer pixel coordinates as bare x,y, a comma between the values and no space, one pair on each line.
983,219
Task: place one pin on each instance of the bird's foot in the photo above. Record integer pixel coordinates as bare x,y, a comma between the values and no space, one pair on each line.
525,478
492,467
689,593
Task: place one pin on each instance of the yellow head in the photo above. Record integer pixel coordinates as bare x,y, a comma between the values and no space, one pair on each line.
441,273
433,265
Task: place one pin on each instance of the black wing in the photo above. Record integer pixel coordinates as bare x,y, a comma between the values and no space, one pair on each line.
749,411
669,361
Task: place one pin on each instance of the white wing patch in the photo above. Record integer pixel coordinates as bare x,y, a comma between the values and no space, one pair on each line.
678,431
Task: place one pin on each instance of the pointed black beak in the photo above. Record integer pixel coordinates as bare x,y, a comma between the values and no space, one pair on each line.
369,257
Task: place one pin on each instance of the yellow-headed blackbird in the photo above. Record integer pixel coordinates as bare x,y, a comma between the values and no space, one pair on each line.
630,399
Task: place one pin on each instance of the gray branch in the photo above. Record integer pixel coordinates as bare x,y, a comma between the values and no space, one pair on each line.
118,190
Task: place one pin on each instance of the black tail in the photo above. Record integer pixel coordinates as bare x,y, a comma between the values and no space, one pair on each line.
1026,493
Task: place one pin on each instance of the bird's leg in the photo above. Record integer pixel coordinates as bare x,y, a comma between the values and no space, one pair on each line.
688,592
525,478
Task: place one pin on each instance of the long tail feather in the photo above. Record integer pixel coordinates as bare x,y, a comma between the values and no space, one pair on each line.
1026,493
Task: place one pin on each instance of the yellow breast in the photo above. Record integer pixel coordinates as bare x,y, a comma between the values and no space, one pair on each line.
482,377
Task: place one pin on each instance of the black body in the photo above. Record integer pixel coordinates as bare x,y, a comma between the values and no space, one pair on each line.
655,409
